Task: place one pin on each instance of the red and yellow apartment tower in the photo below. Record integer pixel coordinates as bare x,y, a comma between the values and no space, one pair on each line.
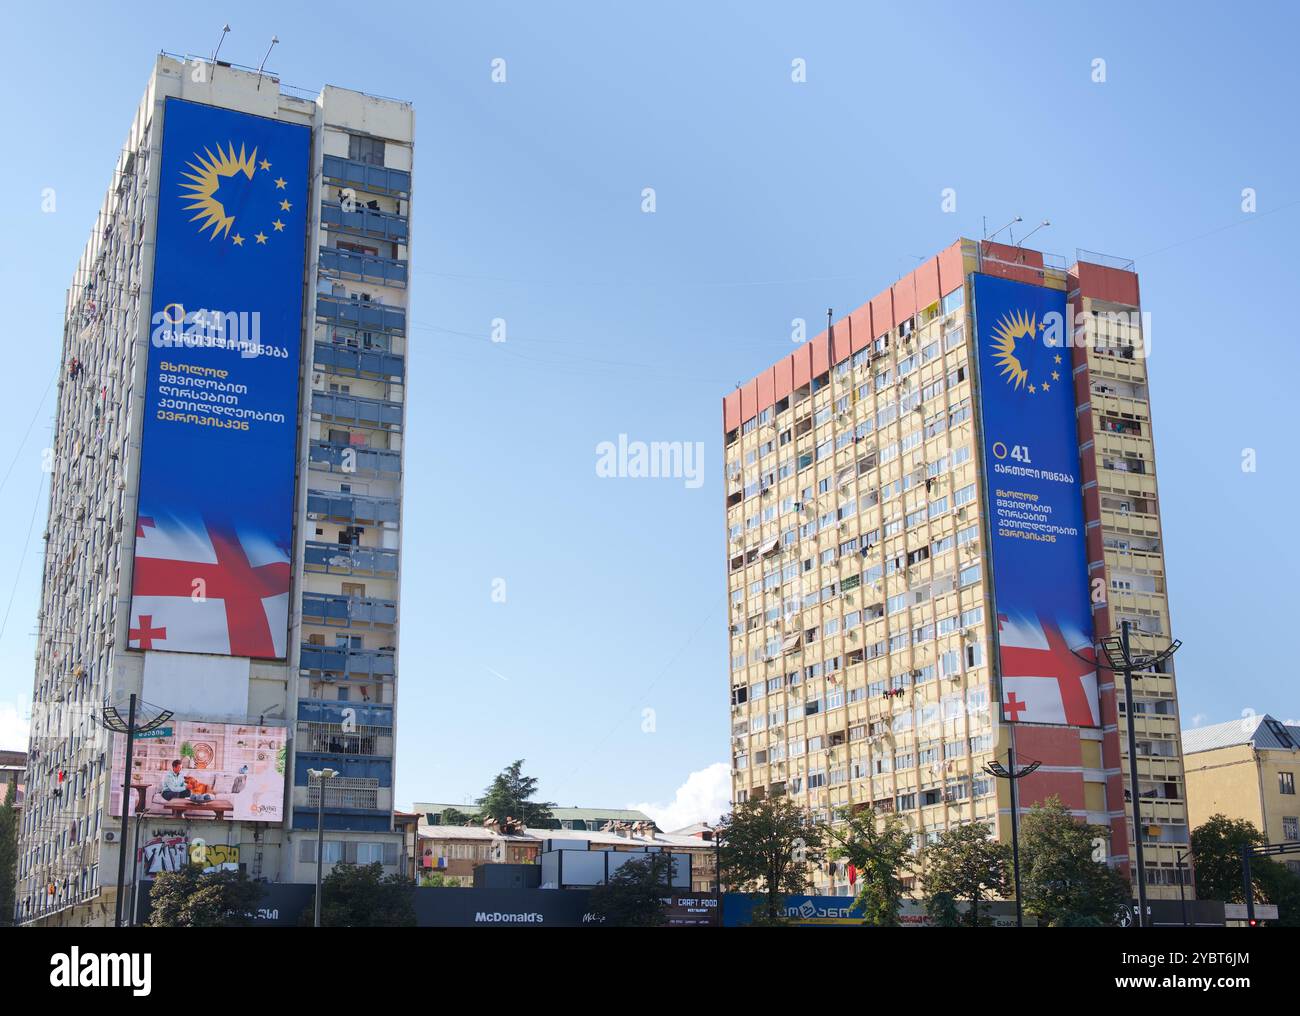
933,509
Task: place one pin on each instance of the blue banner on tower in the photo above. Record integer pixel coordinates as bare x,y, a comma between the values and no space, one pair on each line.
214,533
1035,504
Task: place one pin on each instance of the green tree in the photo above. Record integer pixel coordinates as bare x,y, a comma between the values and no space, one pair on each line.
437,880
766,847
510,795
942,911
1279,885
1216,852
1061,883
190,898
1217,847
8,855
634,895
362,896
965,864
454,817
880,848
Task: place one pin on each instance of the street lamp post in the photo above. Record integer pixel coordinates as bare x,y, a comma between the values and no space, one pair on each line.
111,719
1122,661
1182,883
1011,774
135,863
320,776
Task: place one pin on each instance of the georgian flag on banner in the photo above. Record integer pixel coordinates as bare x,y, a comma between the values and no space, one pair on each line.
1042,680
202,587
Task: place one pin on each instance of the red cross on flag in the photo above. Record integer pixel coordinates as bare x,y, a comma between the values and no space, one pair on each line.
201,587
1042,680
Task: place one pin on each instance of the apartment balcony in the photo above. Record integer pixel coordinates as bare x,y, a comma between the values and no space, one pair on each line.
1117,445
329,711
1164,812
365,222
1149,685
1153,770
354,362
340,739
369,267
1121,368
1149,726
362,314
364,176
1119,406
1137,523
346,559
343,793
352,509
347,662
377,414
1131,601
1139,562
1126,482
349,611
355,460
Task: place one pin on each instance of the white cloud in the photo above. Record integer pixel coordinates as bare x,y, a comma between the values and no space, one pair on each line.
13,727
1198,719
704,797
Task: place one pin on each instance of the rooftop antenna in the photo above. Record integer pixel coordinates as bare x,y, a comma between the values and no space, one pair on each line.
990,236
225,29
274,40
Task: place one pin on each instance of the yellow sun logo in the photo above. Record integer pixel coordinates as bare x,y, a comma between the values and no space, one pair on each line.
209,171
1008,330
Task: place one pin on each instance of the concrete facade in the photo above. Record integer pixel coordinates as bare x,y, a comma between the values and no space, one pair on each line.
343,606
855,511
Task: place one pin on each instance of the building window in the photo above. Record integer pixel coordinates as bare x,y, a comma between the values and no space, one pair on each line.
1286,785
367,150
1291,827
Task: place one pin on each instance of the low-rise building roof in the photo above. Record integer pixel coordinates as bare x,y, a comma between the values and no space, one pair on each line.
1260,731
560,814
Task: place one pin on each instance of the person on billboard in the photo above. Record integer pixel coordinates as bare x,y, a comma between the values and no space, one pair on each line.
174,783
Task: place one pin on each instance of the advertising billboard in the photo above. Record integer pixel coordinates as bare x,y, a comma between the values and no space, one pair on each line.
216,488
203,770
1035,505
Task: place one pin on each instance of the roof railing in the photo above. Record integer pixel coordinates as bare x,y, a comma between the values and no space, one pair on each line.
1105,260
292,90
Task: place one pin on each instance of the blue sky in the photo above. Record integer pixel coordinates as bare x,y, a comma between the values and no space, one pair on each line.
774,200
